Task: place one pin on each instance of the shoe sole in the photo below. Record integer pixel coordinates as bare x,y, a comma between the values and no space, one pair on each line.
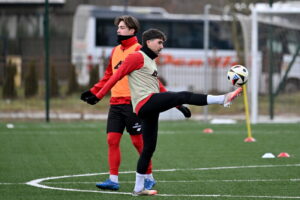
104,188
145,193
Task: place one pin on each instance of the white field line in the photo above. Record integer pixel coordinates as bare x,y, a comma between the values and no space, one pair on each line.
37,183
170,181
11,183
189,181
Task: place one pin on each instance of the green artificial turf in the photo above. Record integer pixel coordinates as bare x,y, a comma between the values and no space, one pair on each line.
188,164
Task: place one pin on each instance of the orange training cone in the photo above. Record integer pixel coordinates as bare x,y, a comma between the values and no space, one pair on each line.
283,155
208,130
249,139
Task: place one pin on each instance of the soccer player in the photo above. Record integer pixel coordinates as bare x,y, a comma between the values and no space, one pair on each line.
121,113
148,101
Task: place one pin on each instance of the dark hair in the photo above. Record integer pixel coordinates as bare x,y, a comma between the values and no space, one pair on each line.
153,34
131,22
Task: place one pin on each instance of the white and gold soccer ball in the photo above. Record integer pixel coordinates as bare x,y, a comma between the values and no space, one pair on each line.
237,75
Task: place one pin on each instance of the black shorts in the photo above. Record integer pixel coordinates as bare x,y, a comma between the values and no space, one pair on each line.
121,116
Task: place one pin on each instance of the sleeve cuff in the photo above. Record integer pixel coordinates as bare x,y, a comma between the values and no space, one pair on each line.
99,95
94,90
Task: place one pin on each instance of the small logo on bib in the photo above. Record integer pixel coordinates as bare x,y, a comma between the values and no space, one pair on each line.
155,73
118,65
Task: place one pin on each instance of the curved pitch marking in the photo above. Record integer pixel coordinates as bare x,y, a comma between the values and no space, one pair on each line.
37,183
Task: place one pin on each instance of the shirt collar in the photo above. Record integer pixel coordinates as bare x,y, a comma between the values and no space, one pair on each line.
125,44
149,52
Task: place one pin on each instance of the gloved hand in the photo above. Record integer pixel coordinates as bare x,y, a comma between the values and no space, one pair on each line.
85,95
185,111
89,97
92,100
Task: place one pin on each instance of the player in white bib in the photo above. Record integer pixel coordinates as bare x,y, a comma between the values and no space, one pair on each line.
148,101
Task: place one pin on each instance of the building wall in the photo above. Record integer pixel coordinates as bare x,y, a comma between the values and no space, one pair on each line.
21,28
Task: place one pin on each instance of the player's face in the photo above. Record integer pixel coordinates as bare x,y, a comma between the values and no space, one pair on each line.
156,45
123,29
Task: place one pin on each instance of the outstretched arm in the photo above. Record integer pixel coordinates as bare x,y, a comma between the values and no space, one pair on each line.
132,62
90,94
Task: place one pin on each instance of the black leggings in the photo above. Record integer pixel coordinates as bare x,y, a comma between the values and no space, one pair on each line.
149,114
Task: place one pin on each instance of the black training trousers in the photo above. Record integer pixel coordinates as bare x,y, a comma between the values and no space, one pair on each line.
149,114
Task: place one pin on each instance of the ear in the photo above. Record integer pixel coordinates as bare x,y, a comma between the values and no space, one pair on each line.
131,31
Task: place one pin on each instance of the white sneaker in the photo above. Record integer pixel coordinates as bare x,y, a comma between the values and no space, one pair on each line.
145,193
229,97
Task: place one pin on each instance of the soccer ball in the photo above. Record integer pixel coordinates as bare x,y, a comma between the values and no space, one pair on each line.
237,75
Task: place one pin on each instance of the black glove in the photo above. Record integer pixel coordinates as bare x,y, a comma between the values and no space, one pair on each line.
185,111
86,95
92,100
89,97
